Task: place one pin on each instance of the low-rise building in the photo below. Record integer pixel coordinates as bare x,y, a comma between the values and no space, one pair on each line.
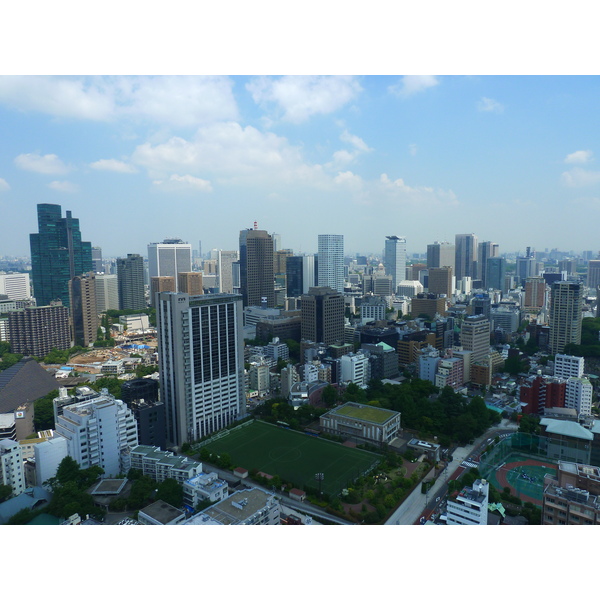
572,497
246,507
470,507
160,465
362,423
161,513
204,487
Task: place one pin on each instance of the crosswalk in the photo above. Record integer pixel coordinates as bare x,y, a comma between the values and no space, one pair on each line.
469,464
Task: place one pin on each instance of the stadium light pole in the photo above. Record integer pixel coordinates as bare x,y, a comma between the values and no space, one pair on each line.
319,477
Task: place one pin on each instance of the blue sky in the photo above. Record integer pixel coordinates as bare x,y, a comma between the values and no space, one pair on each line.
513,159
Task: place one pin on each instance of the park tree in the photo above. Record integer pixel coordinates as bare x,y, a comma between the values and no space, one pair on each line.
5,492
329,396
170,491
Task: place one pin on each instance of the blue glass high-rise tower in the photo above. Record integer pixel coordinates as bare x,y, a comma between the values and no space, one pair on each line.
57,254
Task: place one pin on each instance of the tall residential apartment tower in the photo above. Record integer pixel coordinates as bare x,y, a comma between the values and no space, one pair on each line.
395,259
57,254
565,315
331,262
201,357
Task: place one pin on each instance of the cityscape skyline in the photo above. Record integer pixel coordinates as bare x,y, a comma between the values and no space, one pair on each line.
201,158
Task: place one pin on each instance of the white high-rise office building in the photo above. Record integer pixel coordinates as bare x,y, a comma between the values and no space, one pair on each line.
308,273
201,357
99,431
578,395
475,336
169,258
331,262
15,286
225,260
566,366
107,293
395,259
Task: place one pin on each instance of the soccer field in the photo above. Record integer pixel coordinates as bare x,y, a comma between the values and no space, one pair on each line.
294,456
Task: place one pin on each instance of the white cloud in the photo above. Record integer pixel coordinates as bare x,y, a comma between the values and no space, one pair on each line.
349,179
64,186
230,150
49,164
355,141
172,100
398,190
300,97
4,187
578,177
413,84
110,164
489,105
180,182
581,157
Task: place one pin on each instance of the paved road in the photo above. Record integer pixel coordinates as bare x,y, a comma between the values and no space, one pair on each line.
418,504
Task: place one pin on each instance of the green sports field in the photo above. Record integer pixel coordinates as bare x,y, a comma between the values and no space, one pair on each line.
294,456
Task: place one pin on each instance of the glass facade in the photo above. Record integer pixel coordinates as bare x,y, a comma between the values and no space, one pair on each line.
57,254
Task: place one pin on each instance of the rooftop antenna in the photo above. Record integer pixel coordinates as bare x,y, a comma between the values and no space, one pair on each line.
255,225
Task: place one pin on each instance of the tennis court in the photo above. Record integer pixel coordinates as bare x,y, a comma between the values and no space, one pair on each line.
294,456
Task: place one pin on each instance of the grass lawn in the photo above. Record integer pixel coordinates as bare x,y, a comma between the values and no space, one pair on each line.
294,456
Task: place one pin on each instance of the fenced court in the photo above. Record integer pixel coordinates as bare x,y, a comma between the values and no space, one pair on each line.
520,463
294,456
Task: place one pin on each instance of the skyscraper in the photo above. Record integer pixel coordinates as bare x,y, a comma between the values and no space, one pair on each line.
190,283
256,268
440,280
496,274
526,266
57,254
293,276
130,276
323,315
84,312
331,262
486,250
475,336
565,315
441,254
225,260
97,259
107,293
466,255
201,357
395,259
160,284
169,258
593,274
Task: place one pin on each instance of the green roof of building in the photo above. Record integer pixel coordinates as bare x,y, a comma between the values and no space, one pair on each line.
567,428
365,412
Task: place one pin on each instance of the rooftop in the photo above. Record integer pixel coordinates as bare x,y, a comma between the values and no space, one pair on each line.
566,428
235,509
162,512
364,412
